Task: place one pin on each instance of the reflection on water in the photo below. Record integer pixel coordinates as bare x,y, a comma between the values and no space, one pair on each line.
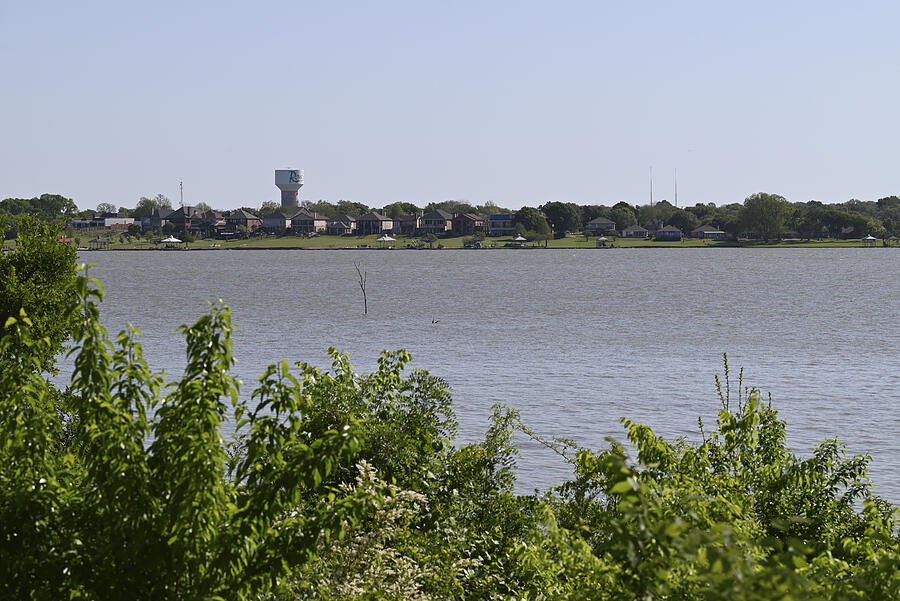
574,340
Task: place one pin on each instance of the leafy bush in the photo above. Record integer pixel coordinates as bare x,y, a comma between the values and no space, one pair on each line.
144,501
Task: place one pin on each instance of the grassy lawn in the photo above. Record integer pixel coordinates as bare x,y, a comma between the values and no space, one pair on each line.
402,242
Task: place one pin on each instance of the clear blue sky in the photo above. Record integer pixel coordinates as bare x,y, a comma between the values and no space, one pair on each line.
516,102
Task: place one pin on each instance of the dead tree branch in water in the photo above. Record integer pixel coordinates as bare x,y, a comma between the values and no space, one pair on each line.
363,275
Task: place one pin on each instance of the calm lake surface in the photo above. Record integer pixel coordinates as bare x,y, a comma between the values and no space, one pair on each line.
573,339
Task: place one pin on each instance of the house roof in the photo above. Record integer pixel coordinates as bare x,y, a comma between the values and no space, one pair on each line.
183,212
670,228
279,214
705,228
241,214
345,218
437,214
308,215
373,216
635,228
599,220
470,216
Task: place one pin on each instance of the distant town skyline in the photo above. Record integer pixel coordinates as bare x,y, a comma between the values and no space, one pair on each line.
519,103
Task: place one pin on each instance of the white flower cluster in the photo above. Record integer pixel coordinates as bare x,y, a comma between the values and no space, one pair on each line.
377,558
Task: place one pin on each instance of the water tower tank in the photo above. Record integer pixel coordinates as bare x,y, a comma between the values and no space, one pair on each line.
289,181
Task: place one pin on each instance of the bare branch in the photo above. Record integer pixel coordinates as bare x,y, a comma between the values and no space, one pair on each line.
363,276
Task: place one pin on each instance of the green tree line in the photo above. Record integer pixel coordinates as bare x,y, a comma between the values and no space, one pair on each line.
761,215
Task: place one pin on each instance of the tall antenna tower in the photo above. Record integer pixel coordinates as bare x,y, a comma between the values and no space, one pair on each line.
676,186
651,186
181,192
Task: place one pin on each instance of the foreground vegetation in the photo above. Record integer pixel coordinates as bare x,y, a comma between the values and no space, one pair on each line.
341,485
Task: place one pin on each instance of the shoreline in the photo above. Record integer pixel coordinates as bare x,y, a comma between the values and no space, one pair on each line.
566,248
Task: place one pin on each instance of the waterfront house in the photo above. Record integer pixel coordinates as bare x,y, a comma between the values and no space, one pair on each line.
635,231
669,233
436,222
653,226
407,224
466,224
278,222
158,218
336,227
341,225
307,222
240,217
185,219
501,224
102,221
707,232
212,223
600,225
374,223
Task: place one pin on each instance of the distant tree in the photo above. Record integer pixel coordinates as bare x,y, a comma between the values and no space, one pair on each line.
269,207
867,208
354,209
531,219
48,207
430,239
765,214
563,216
54,205
591,212
703,212
124,212
727,218
322,207
106,207
135,229
146,206
683,220
622,216
811,225
451,206
491,208
660,211
544,237
397,209
202,207
17,206
888,202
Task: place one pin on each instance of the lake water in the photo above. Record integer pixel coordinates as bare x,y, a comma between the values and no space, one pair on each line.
573,339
